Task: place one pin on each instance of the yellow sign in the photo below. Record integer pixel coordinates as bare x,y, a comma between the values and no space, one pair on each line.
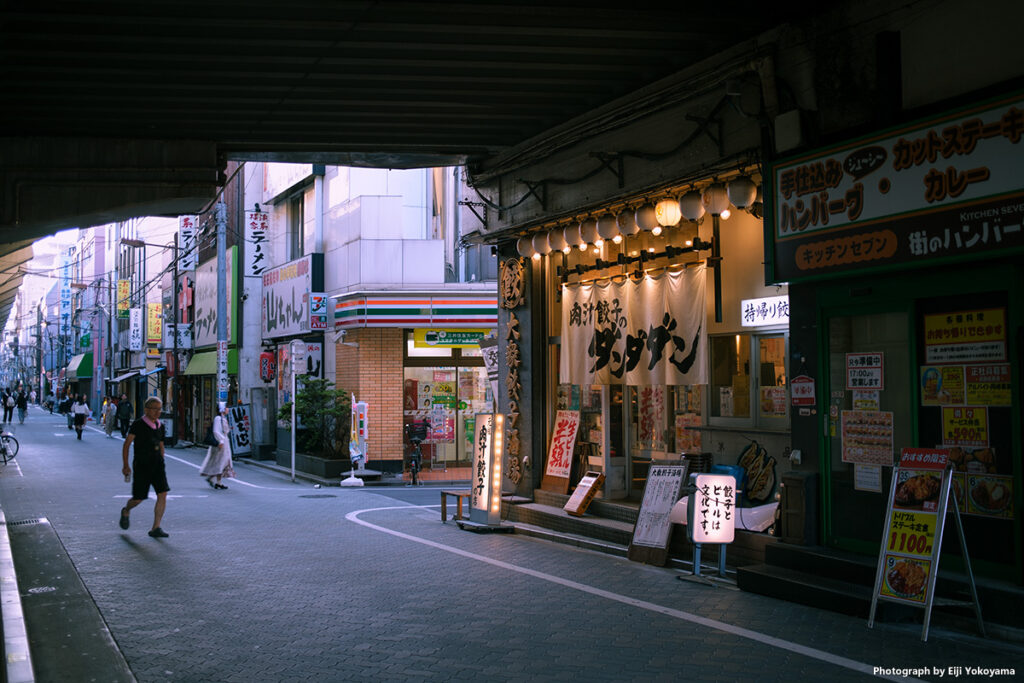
965,336
942,385
124,289
988,385
154,324
964,426
906,578
427,338
911,533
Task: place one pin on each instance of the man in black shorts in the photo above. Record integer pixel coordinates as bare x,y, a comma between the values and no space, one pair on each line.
148,435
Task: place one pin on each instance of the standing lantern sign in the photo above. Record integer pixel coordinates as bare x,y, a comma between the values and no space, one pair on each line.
359,433
711,515
485,480
908,561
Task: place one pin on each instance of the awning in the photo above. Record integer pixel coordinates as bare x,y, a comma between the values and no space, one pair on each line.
80,367
121,378
476,308
147,373
206,363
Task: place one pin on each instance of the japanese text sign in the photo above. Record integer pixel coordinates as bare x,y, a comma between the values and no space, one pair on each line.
711,510
563,442
188,252
204,327
124,289
801,390
257,227
286,290
946,186
154,323
135,329
648,332
653,525
771,310
964,426
924,458
965,336
485,478
241,429
864,371
317,311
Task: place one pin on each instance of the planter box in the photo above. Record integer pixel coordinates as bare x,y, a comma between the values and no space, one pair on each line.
312,464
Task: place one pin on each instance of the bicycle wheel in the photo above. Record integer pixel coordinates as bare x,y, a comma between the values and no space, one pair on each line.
11,444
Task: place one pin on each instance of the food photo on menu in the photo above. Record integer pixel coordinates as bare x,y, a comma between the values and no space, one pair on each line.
906,577
917,490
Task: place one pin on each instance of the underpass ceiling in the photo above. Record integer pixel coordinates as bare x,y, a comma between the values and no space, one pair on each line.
385,84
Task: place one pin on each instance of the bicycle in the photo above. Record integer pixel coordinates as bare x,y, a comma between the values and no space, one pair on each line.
416,432
8,446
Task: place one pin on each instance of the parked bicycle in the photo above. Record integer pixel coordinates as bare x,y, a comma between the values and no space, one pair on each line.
8,446
416,432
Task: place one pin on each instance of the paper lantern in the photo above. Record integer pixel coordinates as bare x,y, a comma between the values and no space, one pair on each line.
647,217
715,199
556,239
540,243
588,231
667,212
691,206
525,247
742,192
607,227
268,366
626,220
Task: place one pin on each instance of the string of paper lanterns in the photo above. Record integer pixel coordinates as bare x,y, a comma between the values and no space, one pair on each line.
740,192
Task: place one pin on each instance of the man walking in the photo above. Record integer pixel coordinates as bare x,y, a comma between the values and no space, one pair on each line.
22,403
9,402
125,415
147,433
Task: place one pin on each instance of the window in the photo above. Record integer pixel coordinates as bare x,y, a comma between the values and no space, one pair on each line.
296,226
749,380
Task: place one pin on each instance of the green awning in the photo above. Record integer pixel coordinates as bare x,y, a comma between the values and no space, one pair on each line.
80,367
206,363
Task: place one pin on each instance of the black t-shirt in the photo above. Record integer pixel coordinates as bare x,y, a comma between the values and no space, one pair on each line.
147,441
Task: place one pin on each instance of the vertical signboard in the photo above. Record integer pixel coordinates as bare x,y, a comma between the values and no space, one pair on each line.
222,371
124,291
205,323
563,443
257,225
135,329
485,482
154,323
241,429
317,311
653,529
188,250
711,511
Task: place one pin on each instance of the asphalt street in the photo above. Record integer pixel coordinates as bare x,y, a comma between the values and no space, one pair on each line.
275,581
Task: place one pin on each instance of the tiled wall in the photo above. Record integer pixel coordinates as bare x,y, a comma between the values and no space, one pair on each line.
373,370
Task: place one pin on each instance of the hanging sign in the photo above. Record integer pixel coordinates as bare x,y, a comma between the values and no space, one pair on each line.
154,323
317,311
286,290
188,252
908,561
124,289
801,391
257,225
864,371
563,441
206,298
650,332
135,329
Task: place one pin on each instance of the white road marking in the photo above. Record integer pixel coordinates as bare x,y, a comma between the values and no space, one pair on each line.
738,631
235,480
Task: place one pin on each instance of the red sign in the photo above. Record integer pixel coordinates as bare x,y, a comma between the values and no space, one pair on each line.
924,458
801,390
268,366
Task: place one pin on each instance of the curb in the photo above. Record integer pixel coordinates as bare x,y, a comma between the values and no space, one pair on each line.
16,650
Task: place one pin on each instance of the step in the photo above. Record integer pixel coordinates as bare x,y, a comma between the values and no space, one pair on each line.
598,508
822,561
805,588
558,520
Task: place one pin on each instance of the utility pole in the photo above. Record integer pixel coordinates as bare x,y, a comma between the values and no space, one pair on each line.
222,304
39,351
175,427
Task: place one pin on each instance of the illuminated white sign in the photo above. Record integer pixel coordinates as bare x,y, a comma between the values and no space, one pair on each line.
485,481
712,509
769,310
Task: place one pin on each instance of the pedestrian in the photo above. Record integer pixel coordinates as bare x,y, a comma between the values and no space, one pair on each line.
125,414
147,433
32,396
81,411
217,464
109,415
65,409
22,403
9,402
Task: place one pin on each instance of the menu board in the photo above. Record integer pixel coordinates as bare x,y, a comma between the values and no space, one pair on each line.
867,436
712,509
653,528
908,560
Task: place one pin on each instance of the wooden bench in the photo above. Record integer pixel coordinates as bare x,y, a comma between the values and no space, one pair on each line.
458,496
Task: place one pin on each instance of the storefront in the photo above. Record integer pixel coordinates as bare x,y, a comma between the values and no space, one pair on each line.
906,283
662,339
79,375
415,358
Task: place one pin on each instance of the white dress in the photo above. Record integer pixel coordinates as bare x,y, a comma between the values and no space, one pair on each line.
218,458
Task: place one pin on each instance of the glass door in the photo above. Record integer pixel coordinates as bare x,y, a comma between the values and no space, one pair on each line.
865,429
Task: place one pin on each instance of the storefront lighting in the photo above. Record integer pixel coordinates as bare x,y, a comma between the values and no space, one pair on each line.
626,221
715,199
647,217
599,243
540,244
742,192
725,214
556,240
656,230
689,243
667,212
691,207
525,247
617,239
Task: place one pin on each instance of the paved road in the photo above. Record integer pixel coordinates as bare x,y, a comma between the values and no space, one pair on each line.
274,581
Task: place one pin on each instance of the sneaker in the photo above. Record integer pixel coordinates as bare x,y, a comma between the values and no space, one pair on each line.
158,533
125,521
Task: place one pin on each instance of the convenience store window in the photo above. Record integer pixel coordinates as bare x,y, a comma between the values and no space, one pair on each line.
749,384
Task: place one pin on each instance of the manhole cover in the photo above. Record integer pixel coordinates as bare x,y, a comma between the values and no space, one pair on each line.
318,495
42,589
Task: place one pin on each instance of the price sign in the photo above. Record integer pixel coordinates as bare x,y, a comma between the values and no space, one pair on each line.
912,533
965,426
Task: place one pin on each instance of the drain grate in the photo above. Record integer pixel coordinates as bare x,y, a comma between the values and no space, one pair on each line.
318,495
26,522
